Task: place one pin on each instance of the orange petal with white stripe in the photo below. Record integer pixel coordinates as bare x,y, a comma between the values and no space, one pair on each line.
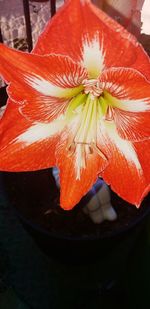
125,172
40,84
26,146
93,37
127,93
74,184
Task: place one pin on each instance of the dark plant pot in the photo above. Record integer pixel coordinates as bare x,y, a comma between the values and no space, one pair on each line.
68,236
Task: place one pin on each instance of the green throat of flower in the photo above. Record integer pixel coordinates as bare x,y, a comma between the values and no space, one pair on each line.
84,115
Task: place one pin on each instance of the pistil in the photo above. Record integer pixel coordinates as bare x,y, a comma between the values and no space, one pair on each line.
92,86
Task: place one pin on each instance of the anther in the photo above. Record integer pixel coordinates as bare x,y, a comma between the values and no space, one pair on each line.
109,114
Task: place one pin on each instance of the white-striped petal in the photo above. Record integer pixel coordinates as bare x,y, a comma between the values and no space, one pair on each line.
46,88
137,106
125,147
130,105
93,55
40,131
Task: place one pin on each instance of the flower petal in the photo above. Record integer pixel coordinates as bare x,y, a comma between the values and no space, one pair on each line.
72,187
132,126
26,146
143,152
43,82
43,109
125,172
128,93
93,37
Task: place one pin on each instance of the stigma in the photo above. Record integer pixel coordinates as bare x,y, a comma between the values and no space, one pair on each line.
92,87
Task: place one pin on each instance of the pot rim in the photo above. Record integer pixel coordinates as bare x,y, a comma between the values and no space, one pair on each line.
117,233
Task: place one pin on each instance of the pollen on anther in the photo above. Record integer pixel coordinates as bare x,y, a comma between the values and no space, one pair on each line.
71,149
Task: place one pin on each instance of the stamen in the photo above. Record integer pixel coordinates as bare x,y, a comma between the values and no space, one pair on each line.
83,126
101,154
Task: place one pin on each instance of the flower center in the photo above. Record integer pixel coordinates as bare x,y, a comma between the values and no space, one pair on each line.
92,86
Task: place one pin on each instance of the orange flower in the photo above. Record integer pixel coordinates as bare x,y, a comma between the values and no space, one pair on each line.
81,102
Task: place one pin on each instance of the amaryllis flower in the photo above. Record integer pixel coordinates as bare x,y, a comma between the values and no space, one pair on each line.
80,102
